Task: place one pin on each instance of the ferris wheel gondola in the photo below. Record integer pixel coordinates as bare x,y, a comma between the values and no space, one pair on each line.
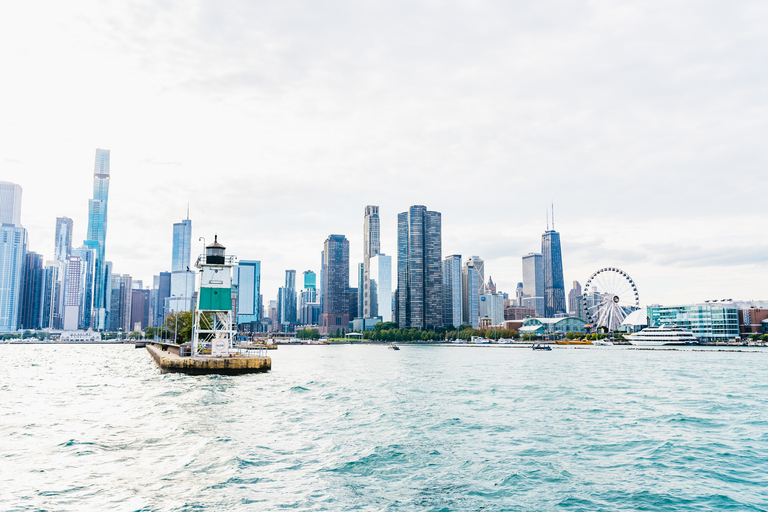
610,295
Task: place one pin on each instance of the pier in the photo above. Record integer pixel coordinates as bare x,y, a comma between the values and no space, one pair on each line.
168,359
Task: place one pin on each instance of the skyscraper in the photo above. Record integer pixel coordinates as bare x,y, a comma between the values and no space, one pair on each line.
161,290
360,283
533,283
31,291
470,301
574,300
63,240
86,285
286,300
371,247
554,287
452,297
335,284
97,234
182,278
13,246
247,278
479,266
419,268
310,280
71,312
380,272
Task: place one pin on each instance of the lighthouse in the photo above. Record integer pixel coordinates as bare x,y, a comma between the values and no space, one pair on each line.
213,316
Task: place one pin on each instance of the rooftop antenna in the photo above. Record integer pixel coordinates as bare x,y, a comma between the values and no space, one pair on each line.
187,211
547,220
553,215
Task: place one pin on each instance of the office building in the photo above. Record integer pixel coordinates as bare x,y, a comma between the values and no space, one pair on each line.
554,287
708,321
353,303
371,247
360,282
470,301
139,308
286,300
574,300
31,291
247,279
182,277
97,233
63,239
335,284
72,293
86,283
161,290
533,283
519,294
419,268
309,306
13,247
380,273
50,314
310,280
491,305
452,291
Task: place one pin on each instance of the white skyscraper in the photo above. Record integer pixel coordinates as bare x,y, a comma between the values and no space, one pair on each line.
533,282
13,246
380,273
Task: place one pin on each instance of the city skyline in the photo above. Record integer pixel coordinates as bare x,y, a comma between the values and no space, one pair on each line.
641,140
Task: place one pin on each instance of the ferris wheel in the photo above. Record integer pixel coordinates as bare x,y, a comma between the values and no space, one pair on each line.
610,295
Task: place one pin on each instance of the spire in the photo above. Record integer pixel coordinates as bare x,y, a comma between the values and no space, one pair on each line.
553,215
547,220
187,211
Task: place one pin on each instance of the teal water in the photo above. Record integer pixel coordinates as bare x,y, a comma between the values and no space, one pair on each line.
366,428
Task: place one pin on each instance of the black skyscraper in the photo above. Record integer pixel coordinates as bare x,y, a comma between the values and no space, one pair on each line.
554,287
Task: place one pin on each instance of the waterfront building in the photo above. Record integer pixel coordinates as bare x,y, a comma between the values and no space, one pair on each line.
86,285
554,287
120,303
71,312
371,247
380,273
335,284
575,301
419,268
247,280
479,266
97,233
31,291
752,321
452,296
353,303
13,247
708,321
548,326
182,278
492,306
309,306
533,282
470,301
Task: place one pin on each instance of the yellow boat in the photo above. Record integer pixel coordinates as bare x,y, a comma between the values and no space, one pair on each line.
574,342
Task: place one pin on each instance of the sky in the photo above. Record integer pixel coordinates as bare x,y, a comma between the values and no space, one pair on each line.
643,123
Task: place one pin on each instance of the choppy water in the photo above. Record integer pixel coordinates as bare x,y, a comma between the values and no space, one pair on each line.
366,428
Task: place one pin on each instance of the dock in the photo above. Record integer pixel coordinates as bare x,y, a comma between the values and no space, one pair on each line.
168,358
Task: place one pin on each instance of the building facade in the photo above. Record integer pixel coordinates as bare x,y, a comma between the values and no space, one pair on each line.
554,287
419,268
247,279
97,234
533,283
709,322
182,278
371,247
13,247
452,290
335,284
470,301
574,300
380,274
31,291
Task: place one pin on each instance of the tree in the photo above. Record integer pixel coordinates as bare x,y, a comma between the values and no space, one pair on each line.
180,323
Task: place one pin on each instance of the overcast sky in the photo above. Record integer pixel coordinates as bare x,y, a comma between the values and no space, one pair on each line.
645,123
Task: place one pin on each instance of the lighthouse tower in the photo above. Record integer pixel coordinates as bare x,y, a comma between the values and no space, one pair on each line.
213,317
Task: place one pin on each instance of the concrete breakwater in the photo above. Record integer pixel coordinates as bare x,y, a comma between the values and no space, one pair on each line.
168,359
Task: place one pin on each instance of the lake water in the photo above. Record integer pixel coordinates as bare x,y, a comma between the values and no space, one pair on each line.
367,428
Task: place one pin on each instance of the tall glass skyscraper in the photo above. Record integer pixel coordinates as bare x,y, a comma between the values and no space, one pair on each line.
13,246
310,280
533,283
470,301
380,272
286,299
63,240
247,278
371,247
182,245
419,268
335,284
97,234
554,287
182,278
452,299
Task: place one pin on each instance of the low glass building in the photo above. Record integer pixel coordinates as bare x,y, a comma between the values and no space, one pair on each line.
544,326
707,321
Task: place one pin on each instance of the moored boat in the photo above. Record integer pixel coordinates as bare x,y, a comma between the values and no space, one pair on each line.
662,335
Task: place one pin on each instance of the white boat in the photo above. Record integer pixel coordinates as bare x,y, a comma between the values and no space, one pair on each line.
603,343
663,335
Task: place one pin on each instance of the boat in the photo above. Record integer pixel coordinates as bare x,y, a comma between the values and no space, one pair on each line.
662,335
392,346
603,343
540,346
585,341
